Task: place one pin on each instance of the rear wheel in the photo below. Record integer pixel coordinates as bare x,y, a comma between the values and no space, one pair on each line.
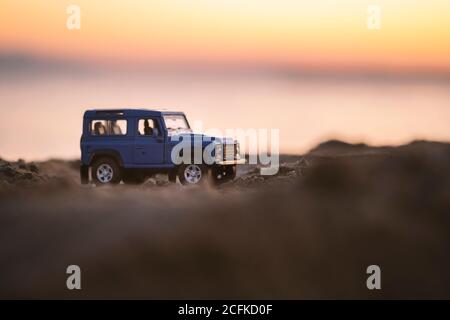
192,174
106,171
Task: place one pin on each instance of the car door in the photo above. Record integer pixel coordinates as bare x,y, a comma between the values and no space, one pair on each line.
149,144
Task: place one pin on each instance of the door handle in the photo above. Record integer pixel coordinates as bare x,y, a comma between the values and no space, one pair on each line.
140,148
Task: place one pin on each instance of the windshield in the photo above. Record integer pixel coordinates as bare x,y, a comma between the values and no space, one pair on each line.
176,123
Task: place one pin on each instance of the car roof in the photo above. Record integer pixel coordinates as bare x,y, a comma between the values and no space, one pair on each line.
129,112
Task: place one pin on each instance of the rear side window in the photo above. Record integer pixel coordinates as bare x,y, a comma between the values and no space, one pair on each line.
108,127
148,127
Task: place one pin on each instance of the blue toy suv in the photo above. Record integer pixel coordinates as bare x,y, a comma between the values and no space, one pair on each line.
130,145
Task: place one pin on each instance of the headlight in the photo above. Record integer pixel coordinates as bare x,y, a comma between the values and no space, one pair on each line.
218,152
238,149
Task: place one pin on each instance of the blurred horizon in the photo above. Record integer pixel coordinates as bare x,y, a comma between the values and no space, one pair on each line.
17,61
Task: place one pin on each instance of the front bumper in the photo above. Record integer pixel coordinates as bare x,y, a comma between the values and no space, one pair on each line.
230,162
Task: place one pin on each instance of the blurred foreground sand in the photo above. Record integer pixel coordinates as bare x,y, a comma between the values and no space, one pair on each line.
301,234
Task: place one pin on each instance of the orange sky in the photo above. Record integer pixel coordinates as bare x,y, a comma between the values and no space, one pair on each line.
319,34
415,34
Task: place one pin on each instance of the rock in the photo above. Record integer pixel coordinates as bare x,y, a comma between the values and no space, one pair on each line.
33,168
27,175
9,172
19,173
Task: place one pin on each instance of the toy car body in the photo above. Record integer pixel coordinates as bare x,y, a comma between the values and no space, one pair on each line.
130,145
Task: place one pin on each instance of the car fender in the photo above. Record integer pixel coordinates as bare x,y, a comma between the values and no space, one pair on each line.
106,153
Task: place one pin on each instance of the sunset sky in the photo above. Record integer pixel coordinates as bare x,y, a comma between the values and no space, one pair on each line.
414,35
312,69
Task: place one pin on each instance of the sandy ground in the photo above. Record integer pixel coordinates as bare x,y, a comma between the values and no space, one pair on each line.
308,232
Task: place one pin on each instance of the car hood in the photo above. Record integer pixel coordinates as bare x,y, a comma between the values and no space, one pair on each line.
196,138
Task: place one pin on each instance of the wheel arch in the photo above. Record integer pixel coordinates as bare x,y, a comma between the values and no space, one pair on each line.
113,154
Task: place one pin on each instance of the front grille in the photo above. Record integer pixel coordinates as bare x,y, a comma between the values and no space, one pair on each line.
229,151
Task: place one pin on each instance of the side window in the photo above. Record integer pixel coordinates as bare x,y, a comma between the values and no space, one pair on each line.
148,127
108,127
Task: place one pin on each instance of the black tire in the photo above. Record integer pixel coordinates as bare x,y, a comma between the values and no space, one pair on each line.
231,172
133,178
187,179
223,174
109,165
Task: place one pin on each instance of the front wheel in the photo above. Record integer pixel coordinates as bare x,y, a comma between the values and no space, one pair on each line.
106,171
224,174
192,174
